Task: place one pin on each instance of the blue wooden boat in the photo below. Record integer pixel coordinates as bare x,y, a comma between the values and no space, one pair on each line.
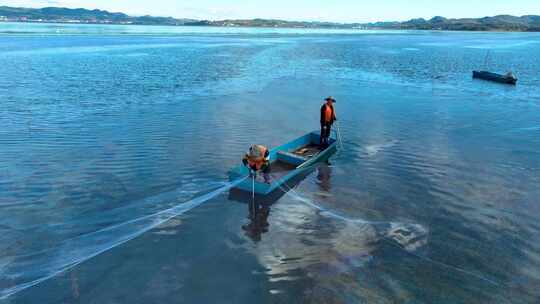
286,162
508,79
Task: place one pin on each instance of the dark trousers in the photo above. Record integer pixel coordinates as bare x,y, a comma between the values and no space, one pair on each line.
325,132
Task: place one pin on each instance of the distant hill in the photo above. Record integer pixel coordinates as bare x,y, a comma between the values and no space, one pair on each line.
80,15
497,23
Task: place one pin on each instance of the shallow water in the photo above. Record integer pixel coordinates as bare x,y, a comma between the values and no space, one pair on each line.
116,142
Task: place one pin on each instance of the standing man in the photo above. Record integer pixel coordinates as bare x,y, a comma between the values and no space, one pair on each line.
328,116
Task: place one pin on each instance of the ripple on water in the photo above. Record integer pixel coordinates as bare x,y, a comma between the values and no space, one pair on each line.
434,194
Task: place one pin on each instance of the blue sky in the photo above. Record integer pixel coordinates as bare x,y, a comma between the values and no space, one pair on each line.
323,10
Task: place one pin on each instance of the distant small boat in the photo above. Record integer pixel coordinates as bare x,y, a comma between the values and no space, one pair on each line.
508,78
286,162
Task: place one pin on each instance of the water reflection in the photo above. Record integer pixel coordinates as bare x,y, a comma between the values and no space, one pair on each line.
258,221
259,207
323,176
258,210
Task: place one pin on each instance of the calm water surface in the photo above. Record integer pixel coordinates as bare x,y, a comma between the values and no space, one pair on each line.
115,143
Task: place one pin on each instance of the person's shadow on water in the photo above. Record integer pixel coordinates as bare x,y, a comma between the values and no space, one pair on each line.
258,221
324,172
259,209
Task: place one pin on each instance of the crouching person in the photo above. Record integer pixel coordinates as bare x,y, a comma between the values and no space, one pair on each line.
257,159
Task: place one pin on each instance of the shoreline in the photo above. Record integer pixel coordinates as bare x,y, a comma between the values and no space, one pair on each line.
268,27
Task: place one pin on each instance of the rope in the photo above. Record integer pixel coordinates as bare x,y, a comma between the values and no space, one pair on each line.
79,249
340,141
486,60
295,194
253,193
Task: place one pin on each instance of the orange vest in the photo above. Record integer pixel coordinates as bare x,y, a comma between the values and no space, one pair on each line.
258,162
328,114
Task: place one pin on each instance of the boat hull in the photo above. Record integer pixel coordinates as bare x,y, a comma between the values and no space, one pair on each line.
494,77
284,154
